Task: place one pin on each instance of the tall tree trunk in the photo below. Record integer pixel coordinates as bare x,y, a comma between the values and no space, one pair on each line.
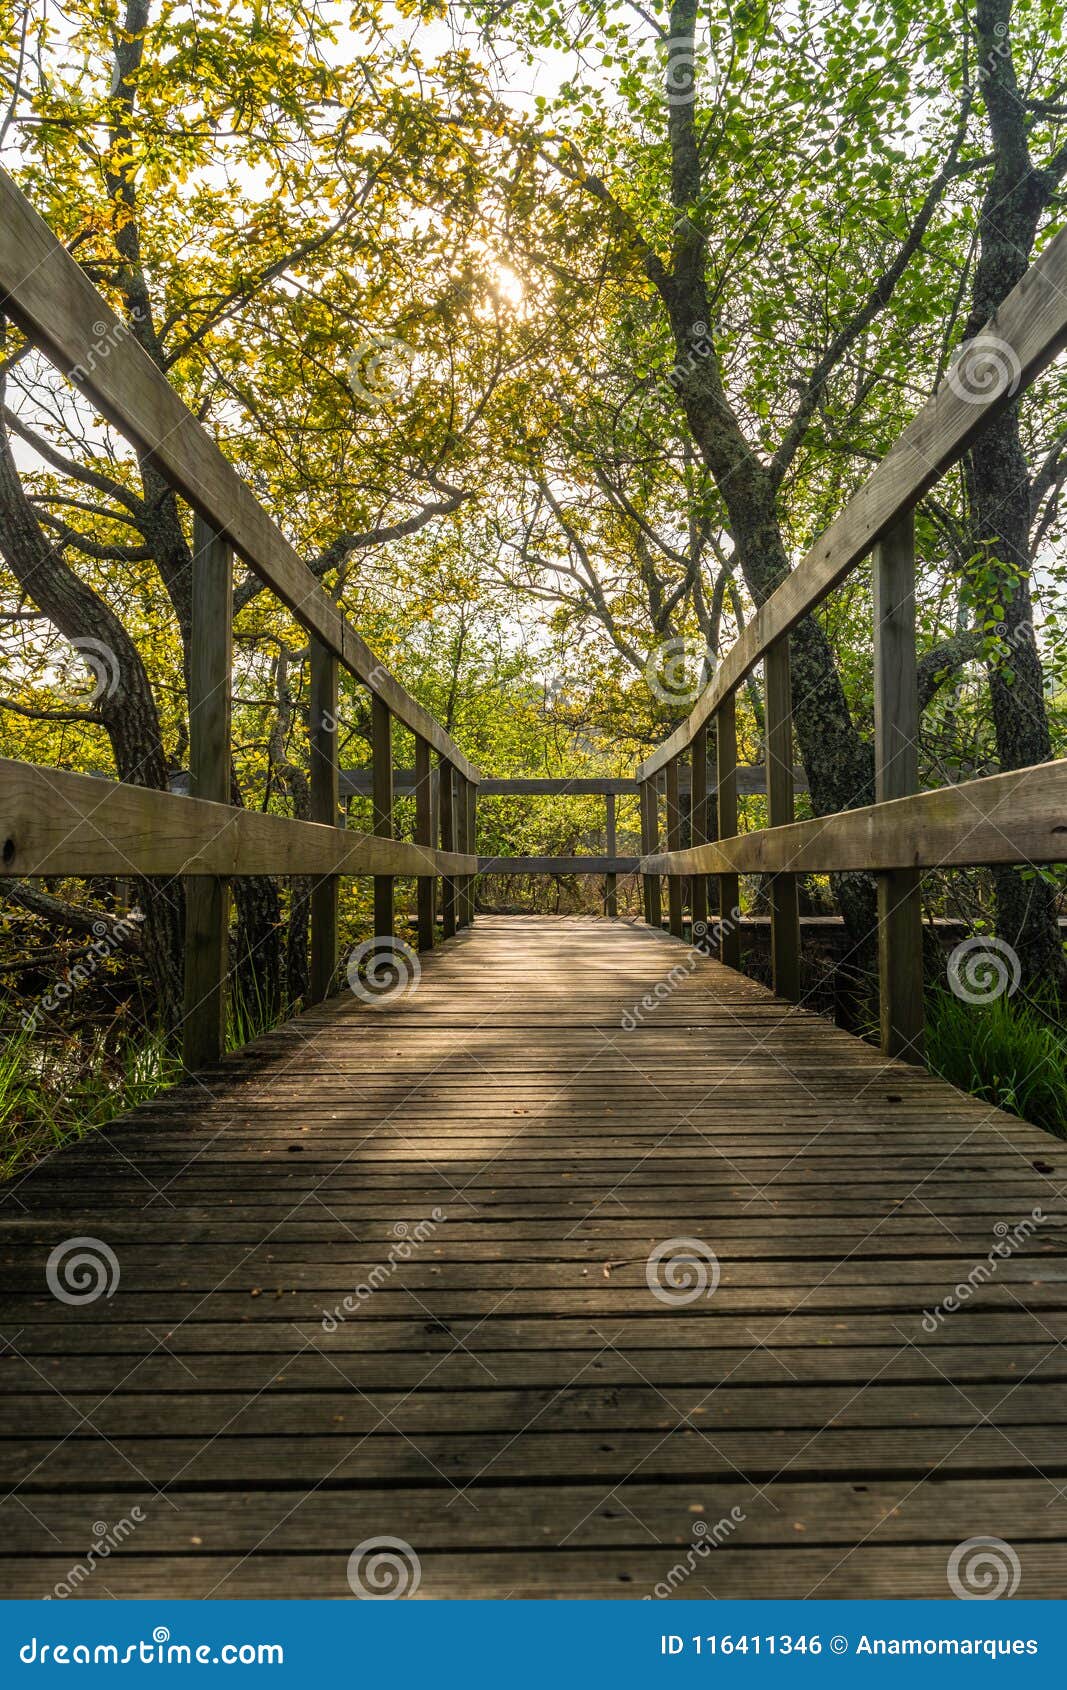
123,701
999,483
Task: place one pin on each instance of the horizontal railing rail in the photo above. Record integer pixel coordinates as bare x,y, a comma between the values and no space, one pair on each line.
53,822
1016,817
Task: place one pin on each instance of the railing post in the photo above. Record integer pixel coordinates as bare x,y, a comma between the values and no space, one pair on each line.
424,835
726,807
649,847
382,806
472,844
896,731
698,827
674,843
447,805
324,807
611,897
207,897
785,920
465,843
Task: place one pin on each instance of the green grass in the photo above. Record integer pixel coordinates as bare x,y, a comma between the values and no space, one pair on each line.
54,1092
1012,1052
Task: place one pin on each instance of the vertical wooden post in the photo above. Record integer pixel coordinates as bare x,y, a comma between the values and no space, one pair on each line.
649,847
726,805
382,805
674,843
447,805
896,731
424,835
472,844
325,807
464,842
785,919
698,823
207,897
611,896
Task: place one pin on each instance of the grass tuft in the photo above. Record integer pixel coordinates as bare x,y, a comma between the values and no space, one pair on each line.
1011,1052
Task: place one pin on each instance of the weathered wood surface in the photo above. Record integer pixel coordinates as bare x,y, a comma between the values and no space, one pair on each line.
507,1394
1030,327
56,822
45,291
1019,817
751,780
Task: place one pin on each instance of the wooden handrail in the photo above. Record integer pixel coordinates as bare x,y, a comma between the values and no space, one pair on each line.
1016,817
1033,323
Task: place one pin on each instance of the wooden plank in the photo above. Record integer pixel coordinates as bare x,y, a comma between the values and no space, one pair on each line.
1016,817
45,291
424,835
785,925
751,779
674,840
449,886
470,843
1031,328
896,775
557,865
650,843
53,822
727,790
611,879
207,900
699,832
382,812
325,808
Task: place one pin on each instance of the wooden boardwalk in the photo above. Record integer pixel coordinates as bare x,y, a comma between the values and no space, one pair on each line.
515,1401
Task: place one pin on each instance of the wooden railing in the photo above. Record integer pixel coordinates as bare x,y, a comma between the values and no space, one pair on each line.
1017,817
53,822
